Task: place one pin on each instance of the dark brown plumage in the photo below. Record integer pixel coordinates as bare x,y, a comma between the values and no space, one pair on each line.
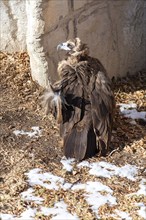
82,102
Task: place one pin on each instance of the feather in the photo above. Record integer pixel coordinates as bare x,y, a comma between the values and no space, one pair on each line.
83,102
52,103
75,144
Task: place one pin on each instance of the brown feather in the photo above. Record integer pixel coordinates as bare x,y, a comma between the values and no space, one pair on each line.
86,105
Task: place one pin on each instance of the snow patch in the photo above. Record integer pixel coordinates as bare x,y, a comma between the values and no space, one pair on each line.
142,210
66,186
95,193
6,217
92,187
124,106
28,196
59,211
84,164
129,111
29,214
36,132
67,164
123,215
93,197
91,192
142,187
107,170
47,180
97,199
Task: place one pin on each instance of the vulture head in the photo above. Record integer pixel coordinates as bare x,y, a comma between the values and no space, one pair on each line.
74,47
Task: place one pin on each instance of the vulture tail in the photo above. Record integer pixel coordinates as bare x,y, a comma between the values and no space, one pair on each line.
80,144
75,144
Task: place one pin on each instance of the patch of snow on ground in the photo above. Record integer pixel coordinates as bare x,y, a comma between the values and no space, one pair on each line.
127,171
67,164
92,190
29,214
6,217
123,215
36,132
129,111
124,106
104,169
37,178
84,164
93,197
59,211
97,199
92,187
142,187
28,196
66,186
142,210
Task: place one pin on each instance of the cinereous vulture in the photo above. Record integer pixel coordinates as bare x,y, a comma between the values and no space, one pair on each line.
82,102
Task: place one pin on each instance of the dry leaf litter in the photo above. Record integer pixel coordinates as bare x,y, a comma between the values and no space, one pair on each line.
21,110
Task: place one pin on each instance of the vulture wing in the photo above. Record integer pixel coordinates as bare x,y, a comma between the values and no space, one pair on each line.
102,105
76,113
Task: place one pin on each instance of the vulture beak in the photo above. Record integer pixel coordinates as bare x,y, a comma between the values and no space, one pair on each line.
63,46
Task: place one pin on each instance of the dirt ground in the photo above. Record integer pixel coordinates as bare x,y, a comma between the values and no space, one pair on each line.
20,109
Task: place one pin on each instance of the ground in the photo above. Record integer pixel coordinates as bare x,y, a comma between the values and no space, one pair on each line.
98,188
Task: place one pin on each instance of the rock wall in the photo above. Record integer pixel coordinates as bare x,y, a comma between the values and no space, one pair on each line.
114,30
13,25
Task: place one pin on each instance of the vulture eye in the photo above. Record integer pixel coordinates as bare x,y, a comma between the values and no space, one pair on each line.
70,45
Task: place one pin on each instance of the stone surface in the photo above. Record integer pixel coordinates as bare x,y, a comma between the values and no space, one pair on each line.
13,25
35,43
114,30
